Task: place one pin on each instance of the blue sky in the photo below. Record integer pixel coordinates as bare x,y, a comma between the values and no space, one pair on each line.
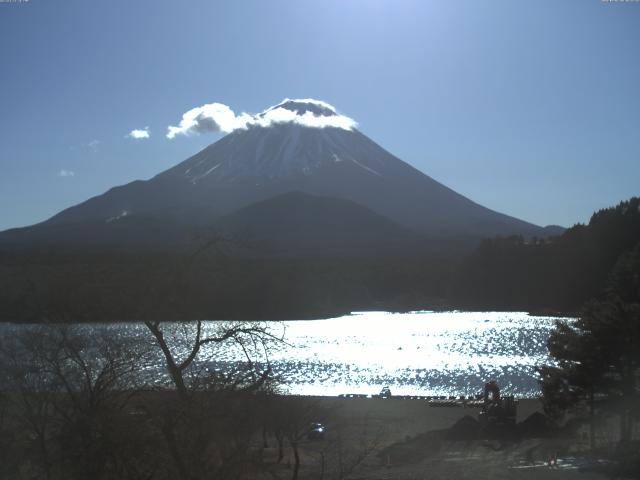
529,108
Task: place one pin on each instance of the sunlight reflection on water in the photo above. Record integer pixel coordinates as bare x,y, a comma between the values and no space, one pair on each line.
417,353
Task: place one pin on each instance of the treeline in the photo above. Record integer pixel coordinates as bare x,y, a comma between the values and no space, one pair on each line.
216,279
558,274
214,284
596,368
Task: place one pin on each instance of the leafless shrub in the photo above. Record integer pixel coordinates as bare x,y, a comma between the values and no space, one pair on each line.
68,395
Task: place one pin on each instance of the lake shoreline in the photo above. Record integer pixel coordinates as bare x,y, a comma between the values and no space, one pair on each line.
327,316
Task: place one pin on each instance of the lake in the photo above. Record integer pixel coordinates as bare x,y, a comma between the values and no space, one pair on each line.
417,353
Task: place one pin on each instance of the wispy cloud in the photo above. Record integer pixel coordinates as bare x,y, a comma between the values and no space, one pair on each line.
66,173
91,146
217,117
139,133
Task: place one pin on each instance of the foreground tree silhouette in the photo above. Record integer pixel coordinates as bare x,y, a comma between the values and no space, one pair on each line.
598,356
68,394
210,414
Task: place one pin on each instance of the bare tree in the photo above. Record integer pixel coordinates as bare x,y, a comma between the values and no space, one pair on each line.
291,420
210,415
69,393
28,395
254,339
200,419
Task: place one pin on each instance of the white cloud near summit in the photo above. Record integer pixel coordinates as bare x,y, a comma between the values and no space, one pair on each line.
217,117
307,119
212,117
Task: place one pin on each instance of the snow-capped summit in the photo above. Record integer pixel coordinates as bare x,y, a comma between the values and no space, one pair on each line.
303,105
305,112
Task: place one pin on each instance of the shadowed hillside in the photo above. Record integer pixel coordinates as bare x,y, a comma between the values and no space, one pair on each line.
560,273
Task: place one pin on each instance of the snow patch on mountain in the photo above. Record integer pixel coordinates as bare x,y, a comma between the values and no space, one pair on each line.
285,150
115,218
217,117
365,167
198,177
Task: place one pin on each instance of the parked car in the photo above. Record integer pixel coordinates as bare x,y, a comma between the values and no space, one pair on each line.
316,432
385,393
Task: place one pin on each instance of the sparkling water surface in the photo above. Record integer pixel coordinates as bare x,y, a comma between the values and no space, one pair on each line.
416,353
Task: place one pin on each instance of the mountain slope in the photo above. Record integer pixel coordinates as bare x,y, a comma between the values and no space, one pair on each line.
269,158
124,233
297,223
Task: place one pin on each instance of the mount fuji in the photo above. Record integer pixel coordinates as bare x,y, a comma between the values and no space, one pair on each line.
301,146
